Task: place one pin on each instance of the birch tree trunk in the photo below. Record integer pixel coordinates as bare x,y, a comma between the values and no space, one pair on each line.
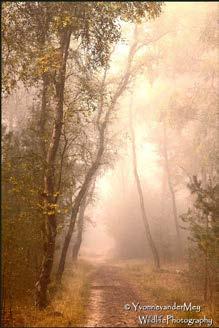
90,174
50,199
94,167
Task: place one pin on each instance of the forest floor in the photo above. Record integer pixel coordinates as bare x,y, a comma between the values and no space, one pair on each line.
109,292
115,286
106,293
67,308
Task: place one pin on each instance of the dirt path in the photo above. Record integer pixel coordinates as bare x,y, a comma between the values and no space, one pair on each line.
110,291
112,288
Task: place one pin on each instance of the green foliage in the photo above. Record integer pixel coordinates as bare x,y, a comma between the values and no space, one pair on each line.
202,222
31,33
202,218
22,219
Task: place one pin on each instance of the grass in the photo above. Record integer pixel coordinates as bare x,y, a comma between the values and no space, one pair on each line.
165,287
68,307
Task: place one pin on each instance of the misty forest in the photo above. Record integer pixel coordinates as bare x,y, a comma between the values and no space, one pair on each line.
110,164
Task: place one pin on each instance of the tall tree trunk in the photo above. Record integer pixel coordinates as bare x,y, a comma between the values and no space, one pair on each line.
94,167
141,199
49,178
90,174
164,253
78,242
43,114
207,264
215,280
171,189
163,194
85,186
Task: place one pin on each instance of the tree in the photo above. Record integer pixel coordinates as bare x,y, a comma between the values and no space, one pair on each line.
103,119
171,188
203,227
80,227
141,198
44,61
22,215
185,113
82,220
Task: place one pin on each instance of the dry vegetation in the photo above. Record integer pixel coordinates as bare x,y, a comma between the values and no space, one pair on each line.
67,308
110,150
170,284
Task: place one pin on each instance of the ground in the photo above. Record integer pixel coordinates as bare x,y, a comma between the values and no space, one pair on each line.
116,284
100,294
110,291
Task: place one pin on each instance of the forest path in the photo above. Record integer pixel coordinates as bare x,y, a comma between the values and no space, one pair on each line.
110,292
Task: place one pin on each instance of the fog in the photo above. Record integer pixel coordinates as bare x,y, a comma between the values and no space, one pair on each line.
171,70
172,66
110,162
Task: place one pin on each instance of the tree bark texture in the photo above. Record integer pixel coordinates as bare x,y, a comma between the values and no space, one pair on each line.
49,177
94,167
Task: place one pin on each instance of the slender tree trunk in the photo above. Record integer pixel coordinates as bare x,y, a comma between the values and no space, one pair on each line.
94,167
85,186
215,280
207,264
74,213
163,194
49,178
171,189
43,114
164,252
78,242
90,174
141,199
86,200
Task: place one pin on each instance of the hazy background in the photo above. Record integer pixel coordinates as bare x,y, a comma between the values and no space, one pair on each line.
118,225
171,67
